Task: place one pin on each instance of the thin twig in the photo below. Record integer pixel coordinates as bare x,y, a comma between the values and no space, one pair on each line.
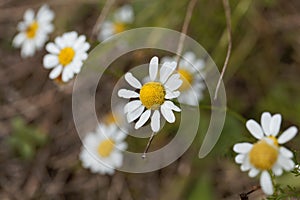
148,145
184,29
228,23
108,4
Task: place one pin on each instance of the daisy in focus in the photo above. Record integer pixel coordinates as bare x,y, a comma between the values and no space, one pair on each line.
267,154
102,149
189,69
123,17
152,98
34,31
66,56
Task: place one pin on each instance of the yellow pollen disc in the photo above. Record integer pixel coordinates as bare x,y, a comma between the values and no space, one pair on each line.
110,119
105,147
187,79
66,56
119,27
152,95
263,156
31,30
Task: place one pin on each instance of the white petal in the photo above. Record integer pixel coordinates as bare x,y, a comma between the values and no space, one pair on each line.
172,94
168,114
143,119
171,105
127,94
285,152
275,124
287,135
50,61
132,105
166,70
253,172
239,158
155,121
266,183
254,128
29,15
246,165
55,72
60,42
19,39
174,82
153,68
132,80
52,48
265,122
277,170
67,74
135,114
286,163
28,49
242,147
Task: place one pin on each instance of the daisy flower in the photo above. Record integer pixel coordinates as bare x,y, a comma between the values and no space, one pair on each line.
66,55
34,30
189,69
267,154
152,98
121,19
102,153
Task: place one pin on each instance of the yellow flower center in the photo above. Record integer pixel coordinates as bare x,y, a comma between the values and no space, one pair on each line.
105,147
263,155
187,79
119,27
110,119
32,29
152,95
66,56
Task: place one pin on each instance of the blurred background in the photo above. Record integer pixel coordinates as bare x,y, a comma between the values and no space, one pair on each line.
39,145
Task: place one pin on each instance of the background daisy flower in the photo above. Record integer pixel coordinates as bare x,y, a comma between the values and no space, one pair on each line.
122,18
189,69
102,153
66,55
34,31
153,97
266,154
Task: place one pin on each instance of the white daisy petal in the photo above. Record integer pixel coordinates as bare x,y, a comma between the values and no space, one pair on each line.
166,70
285,152
277,170
253,172
174,82
275,124
50,61
131,116
52,48
287,135
29,15
132,80
239,158
143,119
172,94
255,129
56,72
286,163
242,147
19,39
153,68
266,183
246,165
127,94
265,122
132,105
171,105
155,121
168,114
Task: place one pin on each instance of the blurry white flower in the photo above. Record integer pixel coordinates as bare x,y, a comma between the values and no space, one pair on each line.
102,149
116,116
66,55
34,30
153,97
122,18
266,154
189,69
